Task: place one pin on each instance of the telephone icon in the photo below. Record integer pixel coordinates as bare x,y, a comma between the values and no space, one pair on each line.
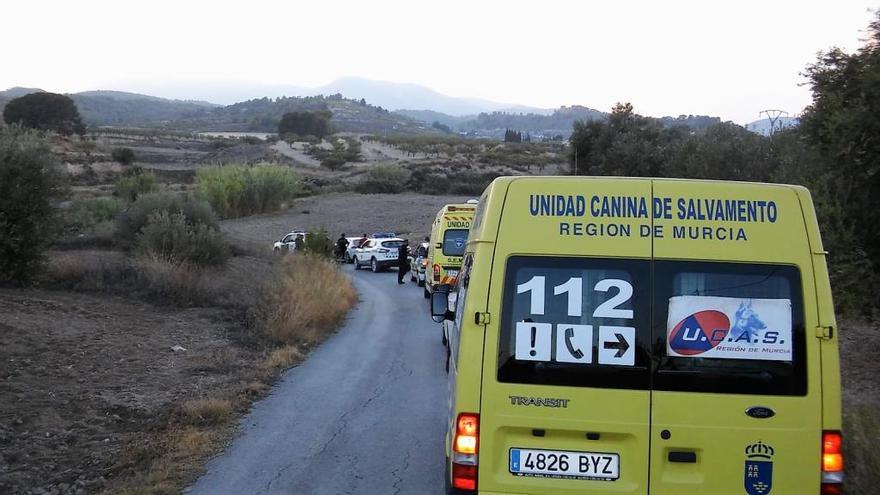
576,353
574,344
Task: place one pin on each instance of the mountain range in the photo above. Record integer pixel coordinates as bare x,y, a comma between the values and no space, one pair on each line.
359,105
386,94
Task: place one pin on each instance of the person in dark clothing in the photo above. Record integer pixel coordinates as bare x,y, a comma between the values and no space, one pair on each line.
402,261
299,243
341,246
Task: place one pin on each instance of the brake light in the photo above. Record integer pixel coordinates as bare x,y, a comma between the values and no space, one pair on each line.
465,446
832,463
464,477
436,273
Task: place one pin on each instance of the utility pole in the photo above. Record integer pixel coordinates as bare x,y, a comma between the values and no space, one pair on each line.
773,116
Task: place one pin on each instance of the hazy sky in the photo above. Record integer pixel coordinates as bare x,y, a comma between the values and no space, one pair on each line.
730,59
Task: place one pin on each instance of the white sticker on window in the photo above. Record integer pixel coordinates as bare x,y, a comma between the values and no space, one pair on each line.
574,343
533,341
729,328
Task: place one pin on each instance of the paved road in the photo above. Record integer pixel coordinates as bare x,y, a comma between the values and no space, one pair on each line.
364,414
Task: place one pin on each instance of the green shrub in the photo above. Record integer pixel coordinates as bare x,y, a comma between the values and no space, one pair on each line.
133,220
85,214
124,156
239,190
136,183
333,161
169,236
384,179
318,243
29,182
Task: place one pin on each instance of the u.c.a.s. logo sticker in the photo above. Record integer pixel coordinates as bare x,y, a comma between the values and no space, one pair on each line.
758,475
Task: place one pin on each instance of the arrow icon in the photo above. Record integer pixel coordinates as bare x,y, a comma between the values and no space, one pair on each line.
621,345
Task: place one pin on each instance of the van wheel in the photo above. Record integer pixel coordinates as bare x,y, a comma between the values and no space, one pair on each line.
347,258
374,265
357,266
421,283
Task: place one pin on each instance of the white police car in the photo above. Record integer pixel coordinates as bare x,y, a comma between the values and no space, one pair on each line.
418,263
287,242
378,254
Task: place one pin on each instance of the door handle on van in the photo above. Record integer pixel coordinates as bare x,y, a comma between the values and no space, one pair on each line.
678,456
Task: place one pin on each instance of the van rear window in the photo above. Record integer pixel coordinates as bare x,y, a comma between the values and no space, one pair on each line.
729,328
666,325
576,321
454,241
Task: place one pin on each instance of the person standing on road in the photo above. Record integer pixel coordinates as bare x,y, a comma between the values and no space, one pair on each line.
341,246
402,261
299,242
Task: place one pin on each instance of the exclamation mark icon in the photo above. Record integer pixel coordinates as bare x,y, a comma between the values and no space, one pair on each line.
533,352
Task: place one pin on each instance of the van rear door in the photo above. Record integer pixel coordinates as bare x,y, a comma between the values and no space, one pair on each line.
736,406
565,388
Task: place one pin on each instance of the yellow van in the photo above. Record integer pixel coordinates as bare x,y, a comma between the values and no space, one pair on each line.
643,336
448,237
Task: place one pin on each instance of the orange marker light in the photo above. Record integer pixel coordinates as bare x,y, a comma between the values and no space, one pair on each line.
832,457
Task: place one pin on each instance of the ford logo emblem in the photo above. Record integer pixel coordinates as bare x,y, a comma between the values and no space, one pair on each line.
759,412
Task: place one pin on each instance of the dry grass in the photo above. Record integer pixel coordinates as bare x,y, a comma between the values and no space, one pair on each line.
217,361
284,357
206,411
307,302
158,280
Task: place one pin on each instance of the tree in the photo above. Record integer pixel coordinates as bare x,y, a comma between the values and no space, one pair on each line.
123,156
841,126
30,181
46,112
315,123
512,136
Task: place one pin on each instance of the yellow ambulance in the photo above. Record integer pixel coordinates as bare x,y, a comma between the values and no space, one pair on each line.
449,234
643,336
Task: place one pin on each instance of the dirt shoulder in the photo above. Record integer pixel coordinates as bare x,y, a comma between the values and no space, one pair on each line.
83,375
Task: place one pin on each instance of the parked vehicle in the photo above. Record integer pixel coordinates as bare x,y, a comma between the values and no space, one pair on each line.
287,243
448,236
648,336
378,254
352,245
418,264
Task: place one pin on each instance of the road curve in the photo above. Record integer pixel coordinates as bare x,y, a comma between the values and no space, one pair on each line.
363,414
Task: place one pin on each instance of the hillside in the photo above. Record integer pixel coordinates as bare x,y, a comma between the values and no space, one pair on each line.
762,126
117,108
492,125
263,115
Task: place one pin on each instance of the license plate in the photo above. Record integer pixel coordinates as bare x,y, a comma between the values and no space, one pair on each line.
565,464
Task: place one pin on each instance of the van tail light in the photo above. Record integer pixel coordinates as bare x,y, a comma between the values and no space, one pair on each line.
436,273
465,447
832,463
